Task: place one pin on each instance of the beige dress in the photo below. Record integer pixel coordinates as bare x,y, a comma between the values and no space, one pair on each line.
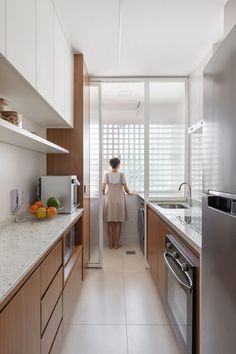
115,209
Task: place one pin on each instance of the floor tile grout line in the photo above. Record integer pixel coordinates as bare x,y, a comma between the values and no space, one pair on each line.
126,328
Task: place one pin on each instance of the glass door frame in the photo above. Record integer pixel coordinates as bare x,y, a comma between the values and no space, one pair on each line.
146,81
100,196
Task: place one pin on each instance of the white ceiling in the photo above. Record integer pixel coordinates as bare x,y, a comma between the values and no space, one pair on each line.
142,37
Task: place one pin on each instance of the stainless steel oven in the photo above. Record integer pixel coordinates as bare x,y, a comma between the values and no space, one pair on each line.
180,292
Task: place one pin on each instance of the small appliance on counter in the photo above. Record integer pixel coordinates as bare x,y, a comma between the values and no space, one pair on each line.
64,188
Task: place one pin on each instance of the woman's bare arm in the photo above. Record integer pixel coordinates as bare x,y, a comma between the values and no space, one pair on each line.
126,189
104,188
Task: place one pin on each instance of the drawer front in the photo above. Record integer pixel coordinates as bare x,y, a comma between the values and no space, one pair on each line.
50,266
70,293
49,300
51,329
57,345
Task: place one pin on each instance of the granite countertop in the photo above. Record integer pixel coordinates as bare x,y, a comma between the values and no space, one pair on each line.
22,245
170,216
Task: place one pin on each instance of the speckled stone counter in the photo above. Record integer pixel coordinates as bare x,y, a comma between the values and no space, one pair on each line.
170,217
22,245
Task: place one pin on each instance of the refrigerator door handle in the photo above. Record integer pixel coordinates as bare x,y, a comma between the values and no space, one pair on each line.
187,286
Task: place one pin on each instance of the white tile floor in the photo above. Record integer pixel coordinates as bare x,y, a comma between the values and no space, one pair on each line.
119,311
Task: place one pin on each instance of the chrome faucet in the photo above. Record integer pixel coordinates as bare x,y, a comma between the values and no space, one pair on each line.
189,200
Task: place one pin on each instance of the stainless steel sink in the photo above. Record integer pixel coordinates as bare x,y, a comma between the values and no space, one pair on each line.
172,206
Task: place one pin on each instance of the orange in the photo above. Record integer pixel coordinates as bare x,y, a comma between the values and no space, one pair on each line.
33,209
51,212
39,204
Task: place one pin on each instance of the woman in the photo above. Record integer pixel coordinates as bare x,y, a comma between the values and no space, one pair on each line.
115,211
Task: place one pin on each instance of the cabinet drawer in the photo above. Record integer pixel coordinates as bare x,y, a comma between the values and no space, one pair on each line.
71,292
56,348
51,329
49,300
50,266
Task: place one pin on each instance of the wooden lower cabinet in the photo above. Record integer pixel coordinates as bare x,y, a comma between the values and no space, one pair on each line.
156,232
20,320
57,344
71,292
35,319
52,328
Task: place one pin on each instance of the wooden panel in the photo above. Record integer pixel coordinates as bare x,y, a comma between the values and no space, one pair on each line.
51,329
56,348
50,266
50,299
70,293
20,320
77,141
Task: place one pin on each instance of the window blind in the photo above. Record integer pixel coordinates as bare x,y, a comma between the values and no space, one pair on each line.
166,157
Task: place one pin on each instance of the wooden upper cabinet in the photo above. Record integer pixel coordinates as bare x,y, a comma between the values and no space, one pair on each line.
59,65
21,37
2,27
44,42
20,320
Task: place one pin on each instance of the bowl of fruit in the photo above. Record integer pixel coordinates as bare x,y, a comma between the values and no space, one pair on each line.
43,212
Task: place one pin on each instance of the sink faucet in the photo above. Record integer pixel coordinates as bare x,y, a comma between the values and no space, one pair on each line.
189,200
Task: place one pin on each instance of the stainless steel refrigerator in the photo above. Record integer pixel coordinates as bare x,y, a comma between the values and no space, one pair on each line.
218,310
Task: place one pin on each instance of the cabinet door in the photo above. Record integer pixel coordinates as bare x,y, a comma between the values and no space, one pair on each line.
59,67
21,37
161,268
20,320
44,69
69,85
152,242
2,27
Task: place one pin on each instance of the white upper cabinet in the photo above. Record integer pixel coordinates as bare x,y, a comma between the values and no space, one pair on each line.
69,85
2,27
59,65
44,62
21,37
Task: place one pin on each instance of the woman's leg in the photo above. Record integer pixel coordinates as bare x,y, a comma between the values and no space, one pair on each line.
110,233
117,234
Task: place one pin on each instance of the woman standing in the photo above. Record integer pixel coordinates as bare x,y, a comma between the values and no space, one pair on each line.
115,210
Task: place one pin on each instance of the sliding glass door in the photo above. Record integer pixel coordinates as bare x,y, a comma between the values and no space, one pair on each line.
144,122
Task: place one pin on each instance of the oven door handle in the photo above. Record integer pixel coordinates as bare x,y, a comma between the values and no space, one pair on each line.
190,286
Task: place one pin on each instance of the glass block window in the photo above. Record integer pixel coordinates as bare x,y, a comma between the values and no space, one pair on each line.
126,141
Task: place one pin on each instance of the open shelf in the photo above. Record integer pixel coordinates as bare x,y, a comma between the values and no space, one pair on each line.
70,264
25,99
13,135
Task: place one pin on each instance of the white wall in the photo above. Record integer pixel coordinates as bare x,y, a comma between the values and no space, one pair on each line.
19,168
129,231
229,16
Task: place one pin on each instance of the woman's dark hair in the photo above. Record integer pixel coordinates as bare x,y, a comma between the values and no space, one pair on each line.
114,162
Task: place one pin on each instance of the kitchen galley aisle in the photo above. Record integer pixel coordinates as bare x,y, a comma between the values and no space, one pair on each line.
119,310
